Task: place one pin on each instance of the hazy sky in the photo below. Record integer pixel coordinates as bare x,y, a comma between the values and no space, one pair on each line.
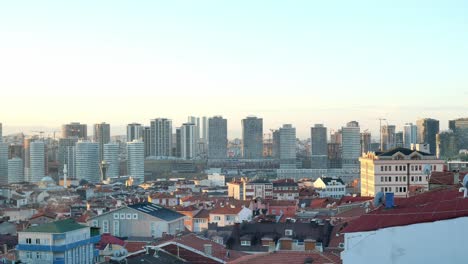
299,62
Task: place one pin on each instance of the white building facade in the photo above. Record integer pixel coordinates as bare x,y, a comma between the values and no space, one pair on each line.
87,161
111,156
330,187
136,160
15,170
37,161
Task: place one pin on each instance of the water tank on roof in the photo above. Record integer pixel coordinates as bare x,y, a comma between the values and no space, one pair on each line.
389,200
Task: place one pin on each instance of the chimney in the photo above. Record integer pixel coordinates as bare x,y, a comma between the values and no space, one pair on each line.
285,243
208,249
266,241
309,244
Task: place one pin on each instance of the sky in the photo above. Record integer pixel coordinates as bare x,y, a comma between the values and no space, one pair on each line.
298,62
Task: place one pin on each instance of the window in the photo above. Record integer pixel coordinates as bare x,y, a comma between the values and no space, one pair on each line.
245,243
38,241
390,168
105,226
116,215
396,168
404,168
38,255
217,218
122,216
381,168
95,223
390,179
412,178
404,178
288,232
28,240
420,167
420,178
135,216
28,254
116,230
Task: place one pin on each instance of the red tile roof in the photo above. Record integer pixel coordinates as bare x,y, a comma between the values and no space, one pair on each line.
228,209
109,239
289,257
357,199
195,242
134,246
436,205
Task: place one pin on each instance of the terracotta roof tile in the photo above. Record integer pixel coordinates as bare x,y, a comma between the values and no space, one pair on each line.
290,257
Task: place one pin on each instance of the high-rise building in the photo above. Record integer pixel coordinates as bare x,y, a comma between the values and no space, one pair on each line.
387,141
252,138
1,133
318,147
65,146
460,128
147,140
365,142
87,161
15,170
178,143
334,156
136,160
111,156
428,129
15,151
351,146
287,147
75,129
189,141
410,135
217,139
37,161
336,137
3,163
399,139
204,130
101,136
447,145
161,137
134,131
275,144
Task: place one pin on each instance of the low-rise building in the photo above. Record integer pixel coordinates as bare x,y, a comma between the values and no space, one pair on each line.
145,220
230,214
236,189
63,241
330,187
286,189
258,189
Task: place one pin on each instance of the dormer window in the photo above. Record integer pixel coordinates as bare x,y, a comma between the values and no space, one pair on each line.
245,243
288,232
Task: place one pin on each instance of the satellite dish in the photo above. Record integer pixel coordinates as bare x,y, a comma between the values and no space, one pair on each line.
378,199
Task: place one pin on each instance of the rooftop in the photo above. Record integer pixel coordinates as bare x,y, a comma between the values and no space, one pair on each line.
404,151
60,226
436,205
156,211
290,257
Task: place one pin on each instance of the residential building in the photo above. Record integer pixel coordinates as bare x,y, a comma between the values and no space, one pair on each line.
111,156
37,161
285,189
189,141
401,171
87,161
63,241
134,131
143,220
447,145
15,170
330,187
405,232
228,215
161,137
428,129
236,189
286,208
75,129
101,136
351,146
65,155
287,147
200,221
262,189
252,138
136,160
387,140
399,139
217,137
366,142
410,135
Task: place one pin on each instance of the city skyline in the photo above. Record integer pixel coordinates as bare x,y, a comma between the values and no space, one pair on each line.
302,64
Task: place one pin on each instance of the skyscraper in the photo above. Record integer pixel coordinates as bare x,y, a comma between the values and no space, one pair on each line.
87,161
161,137
351,146
318,146
101,136
217,137
275,143
134,131
365,142
410,135
428,129
136,160
204,130
252,138
15,170
75,129
178,143
65,146
3,163
147,140
388,137
287,147
111,156
447,145
37,161
1,133
460,128
189,141
399,139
